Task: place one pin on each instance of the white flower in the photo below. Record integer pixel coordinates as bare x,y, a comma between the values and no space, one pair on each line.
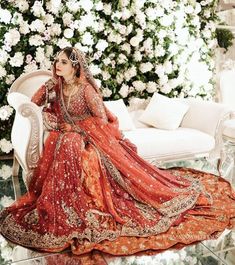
87,5
3,72
151,87
36,40
3,56
106,92
48,19
73,5
124,90
114,37
126,13
6,201
197,8
54,6
163,80
131,72
17,60
12,37
6,253
5,16
37,9
140,19
95,70
151,13
99,6
10,79
5,172
165,89
87,39
166,20
32,66
81,47
189,9
17,18
5,112
122,58
134,41
62,43
55,29
106,75
168,67
68,33
159,51
159,70
86,21
98,82
162,34
101,45
124,3
137,56
24,28
126,47
107,61
107,9
148,45
40,55
146,67
22,5
37,25
67,19
5,146
159,11
139,85
173,49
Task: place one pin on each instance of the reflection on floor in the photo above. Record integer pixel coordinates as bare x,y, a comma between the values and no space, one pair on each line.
210,252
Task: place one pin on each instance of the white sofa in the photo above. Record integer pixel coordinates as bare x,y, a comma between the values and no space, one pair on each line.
198,135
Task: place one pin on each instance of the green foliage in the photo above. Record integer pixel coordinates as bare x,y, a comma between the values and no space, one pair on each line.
225,38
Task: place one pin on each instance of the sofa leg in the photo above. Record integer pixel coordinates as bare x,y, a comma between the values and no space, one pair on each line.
15,178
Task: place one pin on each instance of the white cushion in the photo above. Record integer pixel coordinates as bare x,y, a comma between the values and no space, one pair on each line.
164,113
119,109
157,143
135,118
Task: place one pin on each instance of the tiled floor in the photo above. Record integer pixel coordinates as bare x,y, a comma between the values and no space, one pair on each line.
211,252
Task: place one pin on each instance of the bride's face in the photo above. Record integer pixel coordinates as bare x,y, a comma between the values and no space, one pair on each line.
63,66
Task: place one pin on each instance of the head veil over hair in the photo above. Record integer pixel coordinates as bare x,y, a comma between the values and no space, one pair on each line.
78,57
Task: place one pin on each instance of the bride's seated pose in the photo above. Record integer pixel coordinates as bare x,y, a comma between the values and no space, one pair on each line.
91,190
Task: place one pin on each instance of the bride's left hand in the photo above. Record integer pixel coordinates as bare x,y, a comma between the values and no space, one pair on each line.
65,127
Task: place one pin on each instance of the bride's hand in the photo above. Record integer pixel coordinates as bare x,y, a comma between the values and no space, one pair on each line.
65,127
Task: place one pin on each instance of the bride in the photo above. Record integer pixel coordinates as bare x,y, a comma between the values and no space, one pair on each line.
91,190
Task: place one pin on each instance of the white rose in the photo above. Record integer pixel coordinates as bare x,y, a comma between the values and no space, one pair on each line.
161,34
99,6
173,49
137,56
107,9
68,33
97,55
107,61
87,39
49,50
81,47
67,19
3,56
166,20
148,45
37,9
73,6
87,5
124,90
168,67
134,41
146,67
55,29
12,37
122,58
17,60
141,19
197,8
106,92
10,79
5,16
45,64
106,75
37,25
163,80
189,9
159,51
36,40
6,202
17,19
151,87
5,112
22,5
124,3
48,19
126,13
3,72
126,47
139,85
32,66
119,78
101,45
5,172
129,29
151,13
131,72
159,70
95,70
159,11
24,28
165,89
5,146
62,43
86,21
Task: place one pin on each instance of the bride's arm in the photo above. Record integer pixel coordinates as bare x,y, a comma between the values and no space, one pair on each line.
95,103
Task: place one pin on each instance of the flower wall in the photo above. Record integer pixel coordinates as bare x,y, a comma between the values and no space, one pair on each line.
134,47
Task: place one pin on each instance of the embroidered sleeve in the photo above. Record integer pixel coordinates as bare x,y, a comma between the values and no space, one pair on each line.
95,102
45,93
49,120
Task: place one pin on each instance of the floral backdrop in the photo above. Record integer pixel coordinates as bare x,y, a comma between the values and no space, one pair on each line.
134,47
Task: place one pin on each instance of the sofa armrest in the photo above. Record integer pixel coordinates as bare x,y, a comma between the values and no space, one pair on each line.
27,130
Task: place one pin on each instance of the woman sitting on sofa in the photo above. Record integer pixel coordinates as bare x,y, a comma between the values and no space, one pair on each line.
91,190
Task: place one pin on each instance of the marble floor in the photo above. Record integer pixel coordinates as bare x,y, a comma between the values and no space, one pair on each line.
210,252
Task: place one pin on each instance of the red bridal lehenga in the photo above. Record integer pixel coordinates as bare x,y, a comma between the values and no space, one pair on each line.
91,190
